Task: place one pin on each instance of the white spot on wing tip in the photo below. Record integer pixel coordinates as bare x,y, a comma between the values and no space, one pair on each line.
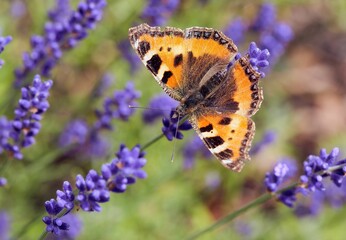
136,43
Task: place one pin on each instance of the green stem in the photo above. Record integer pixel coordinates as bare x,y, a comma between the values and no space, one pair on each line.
148,144
233,215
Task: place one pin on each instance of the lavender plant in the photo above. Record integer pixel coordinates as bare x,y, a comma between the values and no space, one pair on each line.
321,180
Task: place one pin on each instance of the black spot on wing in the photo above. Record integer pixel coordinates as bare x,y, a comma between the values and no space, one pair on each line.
178,60
225,154
207,128
166,76
213,142
143,48
154,64
225,121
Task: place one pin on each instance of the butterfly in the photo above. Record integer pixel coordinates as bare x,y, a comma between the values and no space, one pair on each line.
219,94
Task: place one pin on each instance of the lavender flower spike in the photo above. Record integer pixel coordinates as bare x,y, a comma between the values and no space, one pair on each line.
117,107
316,166
282,172
3,42
62,33
26,124
265,18
21,131
158,11
159,106
95,188
54,224
171,129
258,58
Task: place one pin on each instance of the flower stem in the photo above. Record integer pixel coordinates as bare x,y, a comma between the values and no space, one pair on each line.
263,198
148,144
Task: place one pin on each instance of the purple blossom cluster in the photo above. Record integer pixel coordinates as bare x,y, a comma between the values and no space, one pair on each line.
95,188
119,106
158,107
273,35
316,170
172,126
88,139
21,131
157,12
64,30
3,42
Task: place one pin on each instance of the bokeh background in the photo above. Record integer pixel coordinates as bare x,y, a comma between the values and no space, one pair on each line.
303,111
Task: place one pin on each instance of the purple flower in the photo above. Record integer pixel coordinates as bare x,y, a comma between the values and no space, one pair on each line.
236,30
61,11
53,223
76,132
89,139
75,228
3,42
316,167
5,224
28,114
3,182
158,11
92,191
191,149
172,127
5,130
26,124
265,18
66,197
283,171
288,197
276,40
273,36
118,106
124,169
268,138
62,33
159,106
258,58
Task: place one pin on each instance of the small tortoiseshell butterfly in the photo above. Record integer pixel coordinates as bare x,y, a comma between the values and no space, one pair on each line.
193,67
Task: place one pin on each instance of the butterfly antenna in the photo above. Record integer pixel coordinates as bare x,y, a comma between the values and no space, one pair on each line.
175,137
145,108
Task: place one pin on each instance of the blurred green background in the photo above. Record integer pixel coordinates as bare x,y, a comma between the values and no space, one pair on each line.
304,104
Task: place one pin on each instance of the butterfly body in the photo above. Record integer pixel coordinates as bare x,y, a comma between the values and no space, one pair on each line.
193,67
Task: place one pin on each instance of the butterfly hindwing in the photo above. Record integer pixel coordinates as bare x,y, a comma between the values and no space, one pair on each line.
227,135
